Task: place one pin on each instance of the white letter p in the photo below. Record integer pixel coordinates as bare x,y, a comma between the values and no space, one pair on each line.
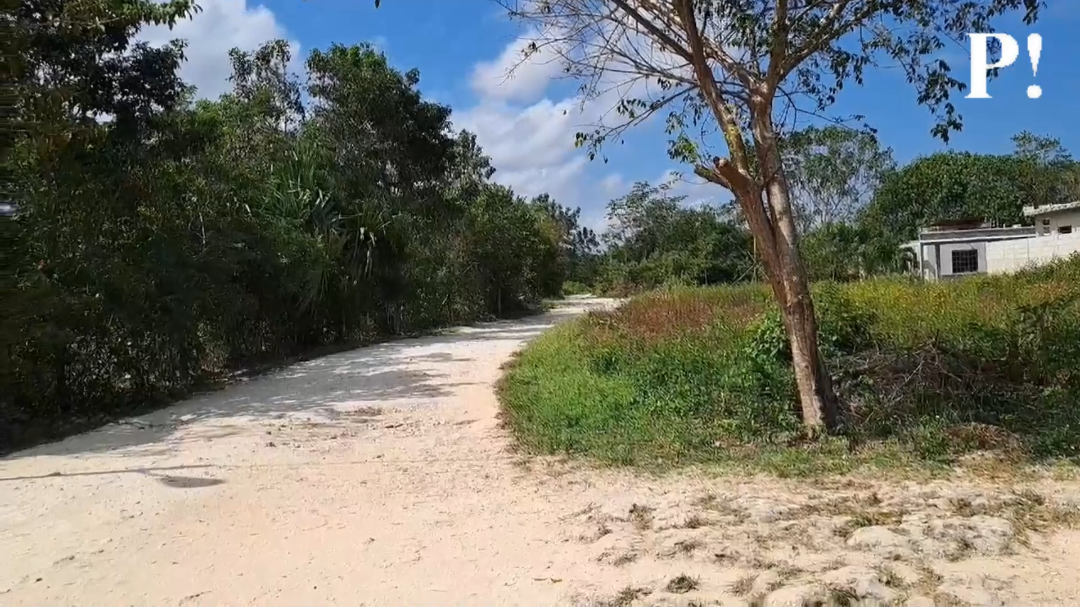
1010,50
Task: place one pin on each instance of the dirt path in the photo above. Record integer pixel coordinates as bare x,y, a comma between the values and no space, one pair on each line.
380,476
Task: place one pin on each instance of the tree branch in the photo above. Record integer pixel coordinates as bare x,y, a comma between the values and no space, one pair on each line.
660,35
779,47
707,82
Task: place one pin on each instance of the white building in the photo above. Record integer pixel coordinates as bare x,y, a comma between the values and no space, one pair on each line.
962,248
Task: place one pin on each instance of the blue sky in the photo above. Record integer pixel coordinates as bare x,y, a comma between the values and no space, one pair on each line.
462,48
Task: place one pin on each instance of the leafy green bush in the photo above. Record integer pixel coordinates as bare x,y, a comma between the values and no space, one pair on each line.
571,287
183,239
926,371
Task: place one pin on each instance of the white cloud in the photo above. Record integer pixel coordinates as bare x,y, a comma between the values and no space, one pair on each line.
530,136
697,191
614,184
513,75
210,34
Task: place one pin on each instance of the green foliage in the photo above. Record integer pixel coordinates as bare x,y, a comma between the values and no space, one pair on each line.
958,185
926,371
180,240
572,287
655,240
833,171
845,252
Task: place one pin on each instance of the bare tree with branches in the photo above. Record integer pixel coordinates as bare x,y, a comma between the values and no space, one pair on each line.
747,70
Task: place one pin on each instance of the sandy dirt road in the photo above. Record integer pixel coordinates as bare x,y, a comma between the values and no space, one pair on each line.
380,476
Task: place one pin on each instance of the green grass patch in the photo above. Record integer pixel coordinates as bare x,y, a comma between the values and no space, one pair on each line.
927,373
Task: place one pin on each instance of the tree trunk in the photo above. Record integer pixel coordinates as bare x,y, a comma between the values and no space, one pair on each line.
816,395
773,227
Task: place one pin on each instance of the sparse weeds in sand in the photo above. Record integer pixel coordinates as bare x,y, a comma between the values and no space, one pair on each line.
759,562
712,503
834,596
689,546
641,517
857,505
868,518
723,557
890,578
945,599
624,597
871,499
706,501
624,559
838,596
962,506
786,572
928,581
601,530
836,563
961,550
695,521
681,584
1029,511
744,585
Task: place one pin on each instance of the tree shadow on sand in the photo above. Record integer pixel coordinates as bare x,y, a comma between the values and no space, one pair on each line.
408,372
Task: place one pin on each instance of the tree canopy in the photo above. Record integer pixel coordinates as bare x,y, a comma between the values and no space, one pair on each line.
162,240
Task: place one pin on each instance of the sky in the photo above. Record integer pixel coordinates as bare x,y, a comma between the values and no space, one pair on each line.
526,123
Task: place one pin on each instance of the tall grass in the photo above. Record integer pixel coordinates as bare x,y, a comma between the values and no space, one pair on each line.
925,371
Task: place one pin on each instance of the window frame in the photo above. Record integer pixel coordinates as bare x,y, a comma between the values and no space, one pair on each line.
955,253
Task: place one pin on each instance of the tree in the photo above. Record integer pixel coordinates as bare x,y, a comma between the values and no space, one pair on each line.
576,243
851,251
654,239
833,171
741,67
160,242
951,185
1044,150
1049,172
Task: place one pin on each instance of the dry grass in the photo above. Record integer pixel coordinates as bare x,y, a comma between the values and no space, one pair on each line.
641,517
687,547
681,584
624,597
744,585
890,578
695,521
1028,511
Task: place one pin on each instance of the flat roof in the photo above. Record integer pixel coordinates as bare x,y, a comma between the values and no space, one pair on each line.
977,233
1046,209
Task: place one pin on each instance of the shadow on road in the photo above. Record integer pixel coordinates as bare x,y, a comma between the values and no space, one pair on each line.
353,383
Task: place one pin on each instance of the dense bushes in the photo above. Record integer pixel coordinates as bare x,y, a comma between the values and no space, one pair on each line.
179,240
653,241
925,370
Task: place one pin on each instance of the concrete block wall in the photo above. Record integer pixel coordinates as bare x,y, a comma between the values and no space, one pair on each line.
1012,255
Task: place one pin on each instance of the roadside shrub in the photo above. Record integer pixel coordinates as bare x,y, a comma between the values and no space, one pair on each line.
929,371
571,287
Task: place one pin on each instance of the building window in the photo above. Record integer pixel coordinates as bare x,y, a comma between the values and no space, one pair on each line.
1064,229
965,261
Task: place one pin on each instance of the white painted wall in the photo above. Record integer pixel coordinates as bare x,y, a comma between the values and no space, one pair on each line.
930,268
1012,255
1055,221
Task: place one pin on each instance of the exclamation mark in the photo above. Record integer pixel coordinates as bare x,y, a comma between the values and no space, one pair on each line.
1035,50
